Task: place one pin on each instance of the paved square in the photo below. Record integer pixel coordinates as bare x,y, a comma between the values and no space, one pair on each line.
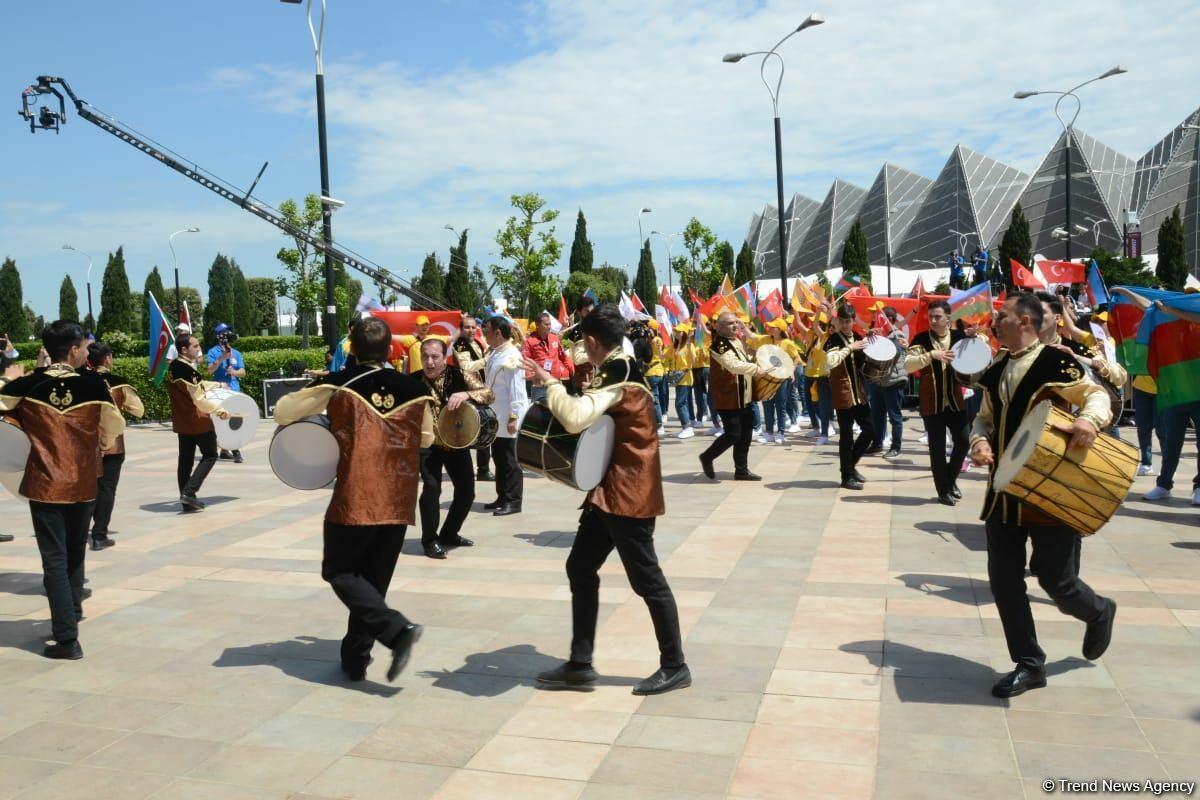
843,645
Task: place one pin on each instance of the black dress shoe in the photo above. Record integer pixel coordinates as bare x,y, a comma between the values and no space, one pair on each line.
485,476
1019,681
356,673
746,476
101,542
874,451
507,509
434,551
1099,633
665,680
457,541
947,500
567,675
191,502
237,456
706,466
225,455
955,493
858,476
68,651
86,593
492,506
851,483
402,649
890,454
6,537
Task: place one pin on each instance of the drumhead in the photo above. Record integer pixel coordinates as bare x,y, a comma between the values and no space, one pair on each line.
880,348
14,454
1021,446
458,428
594,453
237,431
304,455
971,356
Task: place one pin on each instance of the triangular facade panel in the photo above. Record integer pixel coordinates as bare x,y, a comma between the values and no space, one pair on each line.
752,232
823,242
799,219
993,189
1150,166
947,207
766,251
898,191
1178,185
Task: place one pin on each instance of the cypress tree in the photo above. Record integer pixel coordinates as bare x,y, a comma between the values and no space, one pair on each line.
114,297
1017,245
744,268
1172,253
68,300
727,263
581,248
458,292
137,315
154,285
241,300
432,280
645,283
263,316
221,307
856,259
12,313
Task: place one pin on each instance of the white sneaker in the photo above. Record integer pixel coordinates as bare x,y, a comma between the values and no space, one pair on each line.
794,428
686,433
822,440
811,433
662,430
1196,497
1145,469
779,440
715,431
764,438
758,431
1157,493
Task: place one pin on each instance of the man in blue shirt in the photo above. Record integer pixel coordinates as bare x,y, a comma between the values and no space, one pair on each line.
955,262
979,263
226,365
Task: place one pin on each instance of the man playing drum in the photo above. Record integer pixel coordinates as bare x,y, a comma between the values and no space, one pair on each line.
450,387
190,420
731,379
620,512
126,398
843,354
381,419
470,356
1024,373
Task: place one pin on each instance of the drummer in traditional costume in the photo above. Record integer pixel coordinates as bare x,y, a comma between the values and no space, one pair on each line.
381,419
1023,374
620,512
942,407
844,357
126,398
191,419
450,386
470,355
1090,357
69,417
731,378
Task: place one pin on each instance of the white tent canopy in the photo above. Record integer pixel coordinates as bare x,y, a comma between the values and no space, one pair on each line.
903,280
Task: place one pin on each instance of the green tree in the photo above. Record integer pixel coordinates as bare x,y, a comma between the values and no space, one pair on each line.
528,244
115,311
241,300
221,303
825,285
68,300
432,282
263,316
303,281
606,283
1118,271
726,261
856,259
37,322
481,291
702,262
457,291
166,302
581,248
137,315
1017,245
1172,268
645,282
614,275
12,314
744,268
191,298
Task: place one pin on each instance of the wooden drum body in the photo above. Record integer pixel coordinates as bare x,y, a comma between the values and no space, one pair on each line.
578,460
467,426
1080,488
776,369
304,455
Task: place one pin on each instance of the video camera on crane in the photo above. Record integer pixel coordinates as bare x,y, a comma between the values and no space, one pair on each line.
45,118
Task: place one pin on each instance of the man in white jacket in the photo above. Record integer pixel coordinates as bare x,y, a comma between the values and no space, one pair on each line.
505,376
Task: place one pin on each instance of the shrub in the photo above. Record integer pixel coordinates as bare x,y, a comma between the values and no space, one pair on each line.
247,344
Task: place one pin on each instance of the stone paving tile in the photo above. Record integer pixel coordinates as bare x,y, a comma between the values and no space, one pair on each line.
842,645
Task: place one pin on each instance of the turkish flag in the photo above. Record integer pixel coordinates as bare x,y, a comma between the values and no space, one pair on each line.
1062,271
1024,277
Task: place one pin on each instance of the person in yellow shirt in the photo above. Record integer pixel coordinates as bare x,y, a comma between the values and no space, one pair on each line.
1145,406
411,342
649,350
816,372
681,355
701,398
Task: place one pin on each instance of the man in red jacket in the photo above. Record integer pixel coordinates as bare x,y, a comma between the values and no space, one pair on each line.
546,350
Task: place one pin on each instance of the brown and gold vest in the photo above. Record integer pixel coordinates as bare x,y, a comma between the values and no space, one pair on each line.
632,487
939,391
185,417
117,386
728,390
846,382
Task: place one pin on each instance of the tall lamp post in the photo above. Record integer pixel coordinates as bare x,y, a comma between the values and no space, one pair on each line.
327,208
667,237
175,264
733,58
1068,127
641,237
89,278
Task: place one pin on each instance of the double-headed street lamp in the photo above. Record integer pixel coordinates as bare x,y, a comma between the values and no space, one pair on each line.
641,237
175,264
733,58
1068,128
667,237
89,278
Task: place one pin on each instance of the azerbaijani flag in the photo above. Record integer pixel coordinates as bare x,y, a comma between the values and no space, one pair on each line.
160,338
973,306
1124,320
846,283
747,299
1097,294
1173,349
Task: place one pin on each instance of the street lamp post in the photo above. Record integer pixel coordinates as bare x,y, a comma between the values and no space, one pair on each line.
733,58
89,278
1068,128
175,264
641,237
667,237
318,36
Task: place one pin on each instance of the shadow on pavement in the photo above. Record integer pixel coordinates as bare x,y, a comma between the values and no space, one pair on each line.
30,635
549,538
785,485
500,671
972,537
306,658
173,506
1186,545
875,499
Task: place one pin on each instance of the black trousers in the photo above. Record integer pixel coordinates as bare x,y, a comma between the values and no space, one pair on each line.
106,493
1055,560
850,450
191,480
358,563
483,457
510,482
457,464
945,473
600,532
61,530
738,428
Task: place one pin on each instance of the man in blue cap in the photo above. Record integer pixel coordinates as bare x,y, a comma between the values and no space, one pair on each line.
226,365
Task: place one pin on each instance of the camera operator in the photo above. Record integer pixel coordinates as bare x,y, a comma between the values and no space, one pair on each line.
226,365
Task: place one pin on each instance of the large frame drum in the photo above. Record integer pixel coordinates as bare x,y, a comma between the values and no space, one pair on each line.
468,426
14,455
971,359
237,431
777,368
578,460
1079,488
880,353
304,455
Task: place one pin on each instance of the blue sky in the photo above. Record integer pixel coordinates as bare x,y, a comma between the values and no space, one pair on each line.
440,110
